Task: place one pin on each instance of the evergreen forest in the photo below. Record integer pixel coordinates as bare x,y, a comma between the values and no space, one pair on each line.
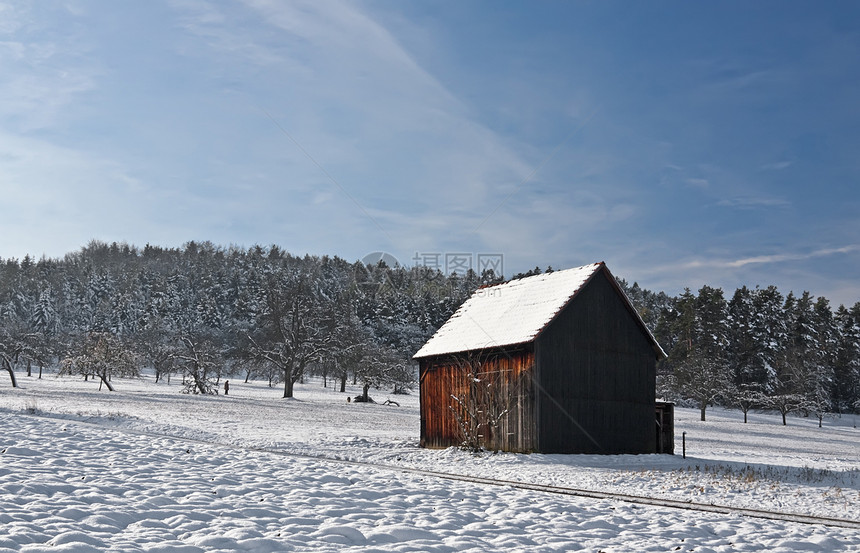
205,313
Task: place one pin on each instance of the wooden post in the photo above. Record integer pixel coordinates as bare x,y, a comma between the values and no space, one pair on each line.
684,444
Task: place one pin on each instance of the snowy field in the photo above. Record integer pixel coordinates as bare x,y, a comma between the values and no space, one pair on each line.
148,469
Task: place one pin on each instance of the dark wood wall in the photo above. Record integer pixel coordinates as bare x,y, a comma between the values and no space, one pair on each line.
596,370
664,413
510,373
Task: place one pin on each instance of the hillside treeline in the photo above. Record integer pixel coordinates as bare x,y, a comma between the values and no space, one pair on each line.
207,312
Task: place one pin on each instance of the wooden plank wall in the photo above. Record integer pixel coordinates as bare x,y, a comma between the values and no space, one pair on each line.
511,374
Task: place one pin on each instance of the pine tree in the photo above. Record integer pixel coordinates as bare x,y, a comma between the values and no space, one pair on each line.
846,365
770,333
819,373
701,367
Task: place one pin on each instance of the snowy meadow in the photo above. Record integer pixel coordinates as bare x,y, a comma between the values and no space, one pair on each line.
146,468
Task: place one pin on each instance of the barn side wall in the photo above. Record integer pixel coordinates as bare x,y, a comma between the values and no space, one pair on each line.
510,374
596,368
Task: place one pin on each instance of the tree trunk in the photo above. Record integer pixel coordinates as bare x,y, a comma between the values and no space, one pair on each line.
40,371
200,383
8,367
703,406
288,384
104,378
343,383
783,418
364,391
29,368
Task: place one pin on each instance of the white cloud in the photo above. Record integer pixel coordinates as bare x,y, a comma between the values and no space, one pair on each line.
751,202
698,183
661,267
777,166
769,259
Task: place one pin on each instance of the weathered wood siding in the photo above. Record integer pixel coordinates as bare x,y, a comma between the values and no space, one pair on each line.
444,378
596,369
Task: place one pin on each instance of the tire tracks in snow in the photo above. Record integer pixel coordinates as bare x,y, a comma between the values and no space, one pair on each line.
543,488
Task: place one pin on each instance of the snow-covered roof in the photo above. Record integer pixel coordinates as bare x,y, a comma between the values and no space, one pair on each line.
512,313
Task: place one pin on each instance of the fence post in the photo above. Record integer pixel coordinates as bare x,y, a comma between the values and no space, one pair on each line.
684,444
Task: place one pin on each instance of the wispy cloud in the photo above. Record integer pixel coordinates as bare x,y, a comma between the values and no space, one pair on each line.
751,202
352,96
768,259
10,17
698,183
777,166
40,78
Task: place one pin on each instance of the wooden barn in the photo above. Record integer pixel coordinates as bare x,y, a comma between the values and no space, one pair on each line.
556,363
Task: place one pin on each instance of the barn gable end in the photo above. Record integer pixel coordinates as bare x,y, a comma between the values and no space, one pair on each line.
597,375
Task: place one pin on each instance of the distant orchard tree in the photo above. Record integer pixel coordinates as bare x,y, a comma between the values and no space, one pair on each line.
201,362
156,347
381,366
787,394
102,355
703,379
747,397
21,346
289,335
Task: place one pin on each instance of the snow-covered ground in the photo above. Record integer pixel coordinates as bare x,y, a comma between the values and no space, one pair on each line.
179,483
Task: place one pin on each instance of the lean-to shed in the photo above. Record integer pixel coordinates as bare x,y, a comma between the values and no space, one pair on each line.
559,362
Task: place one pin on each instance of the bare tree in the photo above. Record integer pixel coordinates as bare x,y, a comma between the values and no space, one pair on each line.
348,344
485,397
703,379
290,336
785,403
382,366
201,363
103,355
787,394
19,345
8,364
154,347
747,397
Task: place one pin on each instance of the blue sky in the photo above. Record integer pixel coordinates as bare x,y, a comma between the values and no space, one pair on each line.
682,143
